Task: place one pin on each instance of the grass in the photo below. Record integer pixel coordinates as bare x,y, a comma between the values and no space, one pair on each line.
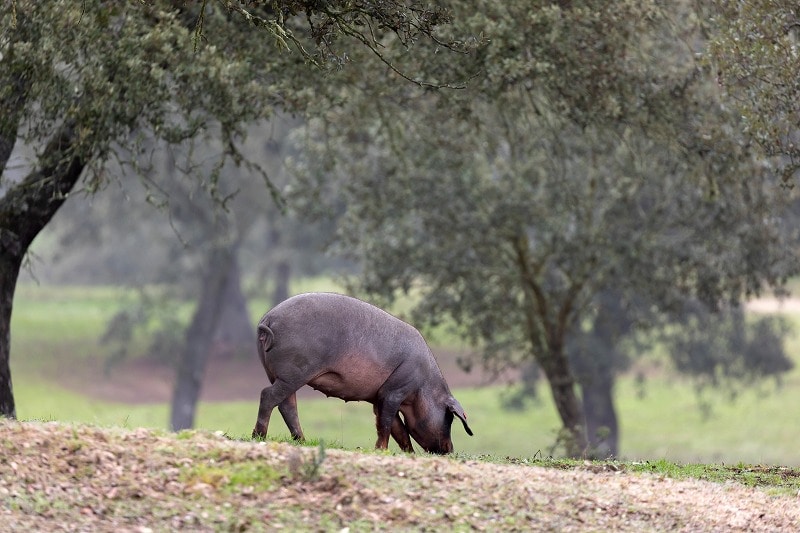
776,479
665,424
779,479
71,314
45,401
669,423
233,478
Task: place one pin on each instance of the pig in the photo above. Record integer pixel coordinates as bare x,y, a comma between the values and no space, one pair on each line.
352,350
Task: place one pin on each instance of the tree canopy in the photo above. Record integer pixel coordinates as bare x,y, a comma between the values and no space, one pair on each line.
592,165
755,52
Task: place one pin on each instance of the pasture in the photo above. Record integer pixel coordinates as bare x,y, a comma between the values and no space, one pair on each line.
57,368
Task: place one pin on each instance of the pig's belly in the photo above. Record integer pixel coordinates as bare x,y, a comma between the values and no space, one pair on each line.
352,380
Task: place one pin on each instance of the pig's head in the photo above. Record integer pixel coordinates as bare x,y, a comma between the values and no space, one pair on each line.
429,420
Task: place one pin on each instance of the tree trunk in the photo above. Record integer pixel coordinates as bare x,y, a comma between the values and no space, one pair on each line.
282,267
547,331
25,209
602,427
562,386
596,359
235,328
9,271
199,337
282,274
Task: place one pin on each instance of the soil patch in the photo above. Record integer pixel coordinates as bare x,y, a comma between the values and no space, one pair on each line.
228,377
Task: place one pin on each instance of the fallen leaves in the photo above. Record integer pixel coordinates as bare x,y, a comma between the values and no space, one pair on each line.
55,476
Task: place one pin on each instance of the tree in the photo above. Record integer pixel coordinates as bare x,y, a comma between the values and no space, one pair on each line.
592,165
217,238
87,83
715,347
194,252
755,51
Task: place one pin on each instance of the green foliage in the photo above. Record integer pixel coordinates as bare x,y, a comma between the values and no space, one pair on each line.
337,21
755,55
727,350
126,72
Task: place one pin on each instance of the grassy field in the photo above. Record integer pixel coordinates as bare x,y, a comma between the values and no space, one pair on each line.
52,327
665,424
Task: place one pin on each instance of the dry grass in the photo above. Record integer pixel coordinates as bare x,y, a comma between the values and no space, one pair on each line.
56,477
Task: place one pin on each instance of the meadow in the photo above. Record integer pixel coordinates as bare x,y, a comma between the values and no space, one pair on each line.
56,328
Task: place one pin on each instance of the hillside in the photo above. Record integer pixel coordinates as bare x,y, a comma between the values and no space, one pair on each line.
56,477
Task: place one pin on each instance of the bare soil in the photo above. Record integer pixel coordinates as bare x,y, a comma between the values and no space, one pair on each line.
56,477
229,377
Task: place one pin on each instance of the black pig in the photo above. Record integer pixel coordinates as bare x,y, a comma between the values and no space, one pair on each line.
352,350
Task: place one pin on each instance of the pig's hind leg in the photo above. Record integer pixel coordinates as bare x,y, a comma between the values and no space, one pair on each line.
288,409
272,396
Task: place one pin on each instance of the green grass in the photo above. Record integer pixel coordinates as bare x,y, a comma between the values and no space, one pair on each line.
65,313
232,478
776,479
665,424
779,478
46,401
668,423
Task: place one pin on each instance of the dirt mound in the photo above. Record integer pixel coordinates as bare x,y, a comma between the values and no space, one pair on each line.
56,477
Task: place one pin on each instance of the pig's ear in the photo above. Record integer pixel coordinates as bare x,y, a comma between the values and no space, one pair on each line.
456,409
